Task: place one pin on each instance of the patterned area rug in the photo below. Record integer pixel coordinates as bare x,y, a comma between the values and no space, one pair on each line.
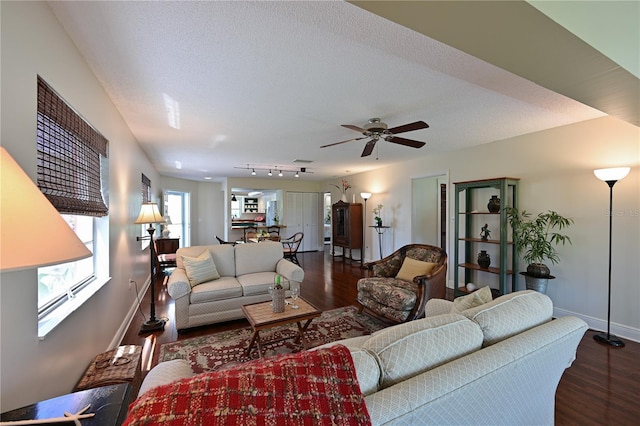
209,353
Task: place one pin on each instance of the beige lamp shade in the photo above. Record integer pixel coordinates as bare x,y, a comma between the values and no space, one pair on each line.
32,232
149,213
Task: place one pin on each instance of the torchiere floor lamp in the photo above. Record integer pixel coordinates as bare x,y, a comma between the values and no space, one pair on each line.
365,196
610,176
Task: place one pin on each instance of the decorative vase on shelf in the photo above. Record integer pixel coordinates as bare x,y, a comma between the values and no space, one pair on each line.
494,204
484,260
378,223
343,197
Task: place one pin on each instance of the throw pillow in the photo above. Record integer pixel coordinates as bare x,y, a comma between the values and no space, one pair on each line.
412,268
477,298
200,269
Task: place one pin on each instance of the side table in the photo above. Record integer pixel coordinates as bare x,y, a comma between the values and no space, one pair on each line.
108,403
380,230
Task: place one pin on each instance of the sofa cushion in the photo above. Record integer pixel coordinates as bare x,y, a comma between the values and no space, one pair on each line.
200,269
412,268
408,349
258,257
259,282
223,256
511,314
477,298
220,289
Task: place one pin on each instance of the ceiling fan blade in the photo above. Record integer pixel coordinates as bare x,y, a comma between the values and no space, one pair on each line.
368,148
348,140
408,127
404,141
352,127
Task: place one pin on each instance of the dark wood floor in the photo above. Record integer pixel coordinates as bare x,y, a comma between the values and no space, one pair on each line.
602,387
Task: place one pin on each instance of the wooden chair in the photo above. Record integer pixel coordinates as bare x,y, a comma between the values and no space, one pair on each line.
221,241
250,232
399,300
273,231
291,246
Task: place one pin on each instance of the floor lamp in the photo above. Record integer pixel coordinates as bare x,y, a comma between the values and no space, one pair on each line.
610,176
150,214
365,196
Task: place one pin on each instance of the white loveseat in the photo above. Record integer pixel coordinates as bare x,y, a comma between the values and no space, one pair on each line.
496,363
246,271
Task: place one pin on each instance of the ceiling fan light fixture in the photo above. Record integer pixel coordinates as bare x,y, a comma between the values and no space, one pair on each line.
269,174
253,172
280,173
296,175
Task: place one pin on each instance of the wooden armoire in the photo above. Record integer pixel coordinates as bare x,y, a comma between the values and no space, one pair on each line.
346,220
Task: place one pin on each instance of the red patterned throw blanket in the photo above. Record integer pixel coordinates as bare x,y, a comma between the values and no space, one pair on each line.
308,388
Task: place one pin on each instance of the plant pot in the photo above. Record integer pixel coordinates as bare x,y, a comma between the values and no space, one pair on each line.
278,299
538,270
538,284
379,223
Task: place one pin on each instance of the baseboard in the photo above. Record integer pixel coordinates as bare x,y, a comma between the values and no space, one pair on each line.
619,330
126,323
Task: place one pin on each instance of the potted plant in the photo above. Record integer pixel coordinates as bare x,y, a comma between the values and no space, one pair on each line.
535,238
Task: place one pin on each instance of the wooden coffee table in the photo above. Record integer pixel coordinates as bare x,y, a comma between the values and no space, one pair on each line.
262,317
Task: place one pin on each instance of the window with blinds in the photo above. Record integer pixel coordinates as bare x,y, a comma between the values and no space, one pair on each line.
69,151
71,164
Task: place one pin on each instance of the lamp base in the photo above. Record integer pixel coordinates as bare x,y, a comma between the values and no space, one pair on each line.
152,325
608,339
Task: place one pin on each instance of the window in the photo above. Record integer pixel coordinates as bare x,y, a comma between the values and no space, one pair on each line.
72,174
58,283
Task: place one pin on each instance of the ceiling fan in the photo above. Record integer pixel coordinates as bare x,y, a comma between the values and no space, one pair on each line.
376,130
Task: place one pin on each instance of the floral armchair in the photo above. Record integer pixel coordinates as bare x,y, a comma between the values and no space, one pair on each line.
392,292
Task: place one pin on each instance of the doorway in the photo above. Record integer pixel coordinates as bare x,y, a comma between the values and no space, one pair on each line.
177,206
429,210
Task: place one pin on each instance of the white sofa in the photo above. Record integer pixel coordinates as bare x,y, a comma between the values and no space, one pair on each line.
246,272
496,363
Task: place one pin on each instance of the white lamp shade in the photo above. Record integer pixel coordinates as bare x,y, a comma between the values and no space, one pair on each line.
149,213
615,173
33,233
365,195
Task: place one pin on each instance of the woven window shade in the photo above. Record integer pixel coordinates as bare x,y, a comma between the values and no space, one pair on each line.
146,189
69,157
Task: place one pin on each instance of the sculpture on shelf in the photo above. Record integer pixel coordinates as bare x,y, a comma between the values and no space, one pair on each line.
485,232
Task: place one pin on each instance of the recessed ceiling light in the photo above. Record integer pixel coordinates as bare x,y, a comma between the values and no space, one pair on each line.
207,177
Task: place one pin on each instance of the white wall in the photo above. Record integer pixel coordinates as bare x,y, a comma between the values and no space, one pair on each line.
556,172
30,370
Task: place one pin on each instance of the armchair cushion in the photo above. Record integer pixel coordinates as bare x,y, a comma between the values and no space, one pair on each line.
392,292
412,268
200,269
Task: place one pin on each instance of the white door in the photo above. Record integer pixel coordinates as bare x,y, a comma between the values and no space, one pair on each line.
303,215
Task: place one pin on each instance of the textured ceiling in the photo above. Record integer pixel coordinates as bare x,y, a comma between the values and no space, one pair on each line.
267,83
